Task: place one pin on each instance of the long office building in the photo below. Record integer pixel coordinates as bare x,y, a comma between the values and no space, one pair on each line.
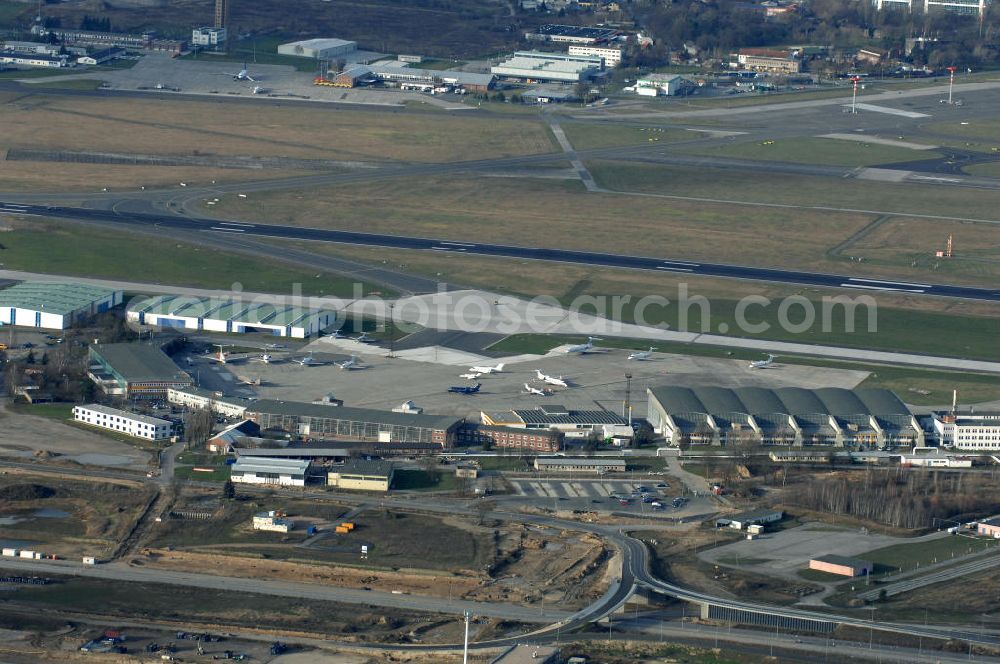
970,431
54,306
228,315
140,371
555,417
217,402
361,424
122,421
784,417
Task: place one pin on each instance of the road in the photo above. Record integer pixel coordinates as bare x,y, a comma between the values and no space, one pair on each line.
672,265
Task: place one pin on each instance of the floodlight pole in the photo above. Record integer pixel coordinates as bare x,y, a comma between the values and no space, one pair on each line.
854,97
951,82
465,649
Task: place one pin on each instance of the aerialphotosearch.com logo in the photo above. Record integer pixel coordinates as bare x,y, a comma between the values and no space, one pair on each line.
478,311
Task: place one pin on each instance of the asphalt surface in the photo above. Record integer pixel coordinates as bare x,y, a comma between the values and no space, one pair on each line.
675,265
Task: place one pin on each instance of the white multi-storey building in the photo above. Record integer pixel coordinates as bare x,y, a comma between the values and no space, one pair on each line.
968,431
122,421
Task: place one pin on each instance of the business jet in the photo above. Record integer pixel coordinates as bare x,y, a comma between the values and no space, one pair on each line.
762,364
365,339
583,348
551,380
472,375
246,380
484,371
642,354
536,391
308,361
353,363
465,389
265,358
275,346
221,357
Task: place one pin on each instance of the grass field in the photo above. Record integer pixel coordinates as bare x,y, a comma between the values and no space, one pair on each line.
814,151
991,170
75,84
421,480
10,11
910,556
524,211
83,251
170,126
587,136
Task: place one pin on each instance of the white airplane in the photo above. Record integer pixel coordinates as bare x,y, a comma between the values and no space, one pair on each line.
539,392
308,361
642,354
221,356
337,334
275,346
761,364
472,375
551,380
487,370
365,339
353,363
583,348
246,380
265,358
243,75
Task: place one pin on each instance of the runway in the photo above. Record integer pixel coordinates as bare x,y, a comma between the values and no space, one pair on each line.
675,265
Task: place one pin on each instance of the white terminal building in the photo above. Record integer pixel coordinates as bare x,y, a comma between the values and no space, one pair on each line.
54,306
231,316
197,398
612,56
122,421
655,85
972,431
538,66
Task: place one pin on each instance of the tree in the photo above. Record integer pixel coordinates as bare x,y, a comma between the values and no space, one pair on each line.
198,426
229,490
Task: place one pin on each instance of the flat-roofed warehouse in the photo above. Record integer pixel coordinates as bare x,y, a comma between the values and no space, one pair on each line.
361,424
320,48
54,306
788,416
537,66
572,423
227,315
361,475
134,370
571,34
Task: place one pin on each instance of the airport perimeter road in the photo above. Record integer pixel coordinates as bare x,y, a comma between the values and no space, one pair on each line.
980,564
676,265
263,586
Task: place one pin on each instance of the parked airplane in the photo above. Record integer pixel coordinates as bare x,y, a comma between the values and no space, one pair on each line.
472,375
246,380
551,380
243,75
221,356
264,358
275,346
537,391
642,354
308,361
487,370
584,348
337,334
353,363
761,364
465,389
365,339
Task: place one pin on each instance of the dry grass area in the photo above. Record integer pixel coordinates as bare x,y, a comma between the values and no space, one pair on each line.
532,213
165,126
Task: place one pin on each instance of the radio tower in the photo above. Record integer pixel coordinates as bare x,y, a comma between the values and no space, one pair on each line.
222,18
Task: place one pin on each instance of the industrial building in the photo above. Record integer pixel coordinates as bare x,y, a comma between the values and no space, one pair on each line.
270,521
54,306
594,466
412,78
842,565
654,85
33,59
229,315
225,441
254,446
970,431
977,7
572,423
612,56
283,472
138,371
784,417
753,518
989,527
102,56
360,424
360,475
769,60
320,49
122,421
208,37
514,438
538,66
571,34
195,398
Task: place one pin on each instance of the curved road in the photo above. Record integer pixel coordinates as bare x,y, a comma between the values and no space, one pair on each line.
589,258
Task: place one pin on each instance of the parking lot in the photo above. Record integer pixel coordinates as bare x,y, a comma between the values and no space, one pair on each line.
577,488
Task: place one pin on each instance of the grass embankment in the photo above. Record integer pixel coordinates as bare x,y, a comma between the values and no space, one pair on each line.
83,251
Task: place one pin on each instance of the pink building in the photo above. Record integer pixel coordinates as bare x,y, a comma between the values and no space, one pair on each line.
989,527
842,565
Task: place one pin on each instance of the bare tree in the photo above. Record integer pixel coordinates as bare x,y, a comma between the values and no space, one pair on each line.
198,426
